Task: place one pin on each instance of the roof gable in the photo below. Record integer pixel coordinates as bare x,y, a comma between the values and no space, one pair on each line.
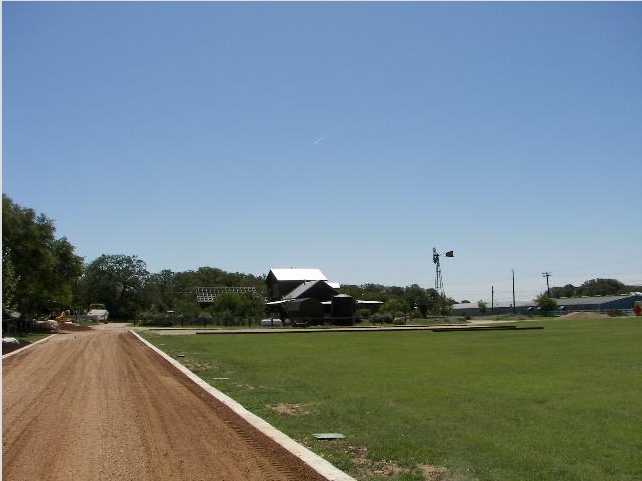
312,289
297,275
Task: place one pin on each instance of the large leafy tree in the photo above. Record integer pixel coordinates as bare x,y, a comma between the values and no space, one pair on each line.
119,281
602,287
427,301
40,269
593,287
10,279
239,305
177,290
161,291
568,290
545,303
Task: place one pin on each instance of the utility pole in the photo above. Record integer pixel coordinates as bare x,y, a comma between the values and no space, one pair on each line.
492,299
548,289
514,308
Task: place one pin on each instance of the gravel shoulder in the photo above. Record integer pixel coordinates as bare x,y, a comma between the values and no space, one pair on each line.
99,405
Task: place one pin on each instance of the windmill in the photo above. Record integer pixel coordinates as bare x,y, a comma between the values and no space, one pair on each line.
439,283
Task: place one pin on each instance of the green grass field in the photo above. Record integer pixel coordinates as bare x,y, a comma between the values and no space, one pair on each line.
563,403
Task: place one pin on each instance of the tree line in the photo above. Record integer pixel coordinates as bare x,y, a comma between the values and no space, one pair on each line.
594,287
41,271
37,267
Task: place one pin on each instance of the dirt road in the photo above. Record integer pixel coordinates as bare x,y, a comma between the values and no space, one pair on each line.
100,406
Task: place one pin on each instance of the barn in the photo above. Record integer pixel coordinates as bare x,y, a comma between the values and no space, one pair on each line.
306,296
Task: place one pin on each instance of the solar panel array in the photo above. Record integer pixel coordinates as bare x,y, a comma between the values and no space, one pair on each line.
209,294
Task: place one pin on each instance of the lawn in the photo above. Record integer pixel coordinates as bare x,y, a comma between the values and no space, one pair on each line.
562,403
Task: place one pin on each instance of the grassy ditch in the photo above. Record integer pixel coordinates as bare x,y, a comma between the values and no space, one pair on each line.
552,404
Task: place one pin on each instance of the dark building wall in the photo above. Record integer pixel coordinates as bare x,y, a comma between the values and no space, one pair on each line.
622,304
277,289
342,310
304,309
342,306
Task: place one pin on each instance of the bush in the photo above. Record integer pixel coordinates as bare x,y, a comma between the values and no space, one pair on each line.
399,318
164,320
204,318
382,318
144,318
545,303
148,318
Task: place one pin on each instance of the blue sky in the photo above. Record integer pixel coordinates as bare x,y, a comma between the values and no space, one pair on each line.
350,137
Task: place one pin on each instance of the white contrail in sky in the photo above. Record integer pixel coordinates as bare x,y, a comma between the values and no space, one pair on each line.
328,132
321,138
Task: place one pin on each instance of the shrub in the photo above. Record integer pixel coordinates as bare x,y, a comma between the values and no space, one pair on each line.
148,318
204,318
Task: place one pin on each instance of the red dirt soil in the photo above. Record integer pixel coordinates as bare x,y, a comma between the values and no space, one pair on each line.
101,406
584,315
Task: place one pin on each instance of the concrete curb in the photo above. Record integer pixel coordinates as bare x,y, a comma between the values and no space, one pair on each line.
24,348
316,462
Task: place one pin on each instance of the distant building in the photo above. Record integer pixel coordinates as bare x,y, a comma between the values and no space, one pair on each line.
598,304
601,304
303,295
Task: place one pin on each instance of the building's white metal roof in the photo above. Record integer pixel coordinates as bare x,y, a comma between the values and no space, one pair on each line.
276,303
574,301
298,275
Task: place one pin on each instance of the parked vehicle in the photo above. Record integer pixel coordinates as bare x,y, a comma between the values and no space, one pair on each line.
97,312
